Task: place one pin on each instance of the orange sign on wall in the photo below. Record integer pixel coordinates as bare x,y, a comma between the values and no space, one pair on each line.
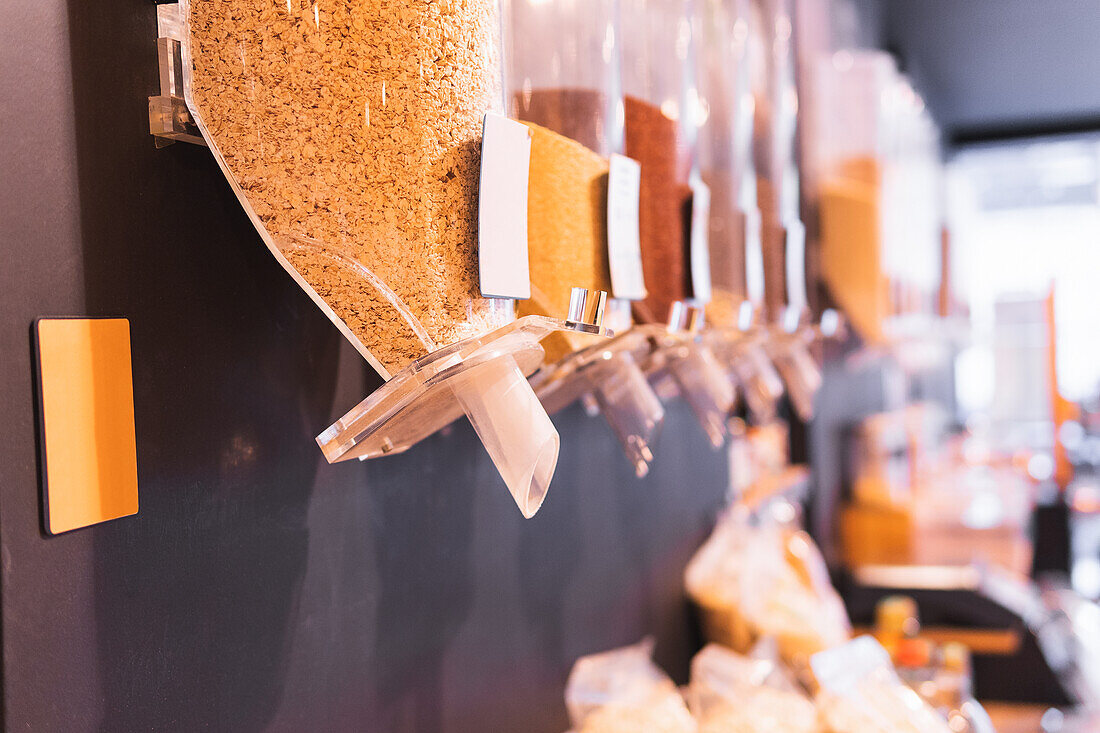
86,398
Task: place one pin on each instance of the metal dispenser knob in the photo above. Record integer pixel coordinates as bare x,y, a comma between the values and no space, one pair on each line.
586,310
683,317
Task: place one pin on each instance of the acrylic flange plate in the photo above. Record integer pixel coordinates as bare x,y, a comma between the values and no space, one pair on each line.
420,399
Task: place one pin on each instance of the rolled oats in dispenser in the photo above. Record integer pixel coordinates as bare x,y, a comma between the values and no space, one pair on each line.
352,131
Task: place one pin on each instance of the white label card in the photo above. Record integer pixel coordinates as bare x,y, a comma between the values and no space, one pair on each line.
502,209
624,248
700,245
754,258
795,259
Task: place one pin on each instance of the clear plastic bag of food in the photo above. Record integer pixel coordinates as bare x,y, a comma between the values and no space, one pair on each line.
859,692
623,691
783,598
731,693
712,581
754,579
779,674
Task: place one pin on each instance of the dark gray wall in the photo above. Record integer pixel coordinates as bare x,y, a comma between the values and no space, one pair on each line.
1001,66
259,588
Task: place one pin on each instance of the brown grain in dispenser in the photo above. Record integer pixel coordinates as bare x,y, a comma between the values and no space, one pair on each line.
652,140
661,117
578,114
725,147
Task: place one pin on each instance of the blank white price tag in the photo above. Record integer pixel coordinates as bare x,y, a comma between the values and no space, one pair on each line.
754,258
502,209
700,248
795,260
624,249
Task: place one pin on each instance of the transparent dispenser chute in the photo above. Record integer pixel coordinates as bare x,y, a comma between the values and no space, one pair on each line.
683,353
793,355
751,371
609,379
612,384
351,133
801,374
562,79
662,112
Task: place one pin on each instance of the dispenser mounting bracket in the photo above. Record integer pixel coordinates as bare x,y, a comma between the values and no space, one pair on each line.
169,119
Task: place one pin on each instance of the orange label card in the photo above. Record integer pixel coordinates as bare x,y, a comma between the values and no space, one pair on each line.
86,392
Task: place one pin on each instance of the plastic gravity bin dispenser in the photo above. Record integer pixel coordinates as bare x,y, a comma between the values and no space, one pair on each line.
880,196
562,79
735,311
352,134
783,235
662,111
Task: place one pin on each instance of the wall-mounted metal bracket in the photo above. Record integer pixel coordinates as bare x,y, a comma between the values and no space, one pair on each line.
169,119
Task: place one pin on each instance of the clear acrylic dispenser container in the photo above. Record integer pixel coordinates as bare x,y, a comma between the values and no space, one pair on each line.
351,133
725,158
662,112
880,194
563,80
782,233
725,59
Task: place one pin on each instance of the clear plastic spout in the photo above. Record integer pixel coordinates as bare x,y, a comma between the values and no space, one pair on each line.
631,408
801,374
513,426
760,384
707,390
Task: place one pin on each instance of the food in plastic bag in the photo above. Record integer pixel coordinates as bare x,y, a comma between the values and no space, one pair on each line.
731,693
779,597
752,580
712,579
623,691
859,692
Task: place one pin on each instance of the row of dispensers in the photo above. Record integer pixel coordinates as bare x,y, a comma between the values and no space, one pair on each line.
511,207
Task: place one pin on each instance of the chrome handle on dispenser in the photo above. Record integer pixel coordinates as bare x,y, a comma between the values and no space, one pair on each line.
685,317
586,308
